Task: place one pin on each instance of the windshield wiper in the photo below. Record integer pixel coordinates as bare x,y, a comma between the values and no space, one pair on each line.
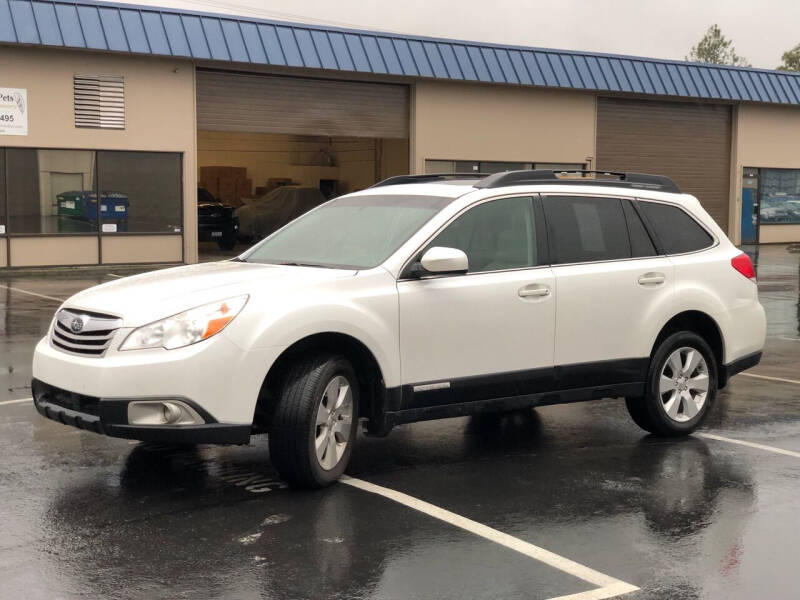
303,264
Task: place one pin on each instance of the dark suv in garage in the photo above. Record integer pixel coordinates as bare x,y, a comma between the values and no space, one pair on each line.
215,221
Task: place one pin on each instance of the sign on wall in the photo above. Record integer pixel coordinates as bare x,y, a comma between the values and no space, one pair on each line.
13,111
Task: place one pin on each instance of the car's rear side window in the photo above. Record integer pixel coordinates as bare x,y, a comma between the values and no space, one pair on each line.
585,229
675,229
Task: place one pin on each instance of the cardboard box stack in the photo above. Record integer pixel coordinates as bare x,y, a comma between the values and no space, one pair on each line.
229,184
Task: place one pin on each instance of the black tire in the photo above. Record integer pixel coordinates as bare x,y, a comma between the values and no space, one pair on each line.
649,412
227,243
293,429
638,412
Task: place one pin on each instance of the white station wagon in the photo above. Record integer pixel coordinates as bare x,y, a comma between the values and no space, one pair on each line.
421,297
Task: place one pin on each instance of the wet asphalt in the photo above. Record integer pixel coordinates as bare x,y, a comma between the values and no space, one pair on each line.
84,516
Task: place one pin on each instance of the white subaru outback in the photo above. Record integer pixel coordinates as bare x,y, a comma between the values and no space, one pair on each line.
422,297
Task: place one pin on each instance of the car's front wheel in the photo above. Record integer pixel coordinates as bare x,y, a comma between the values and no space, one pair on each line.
314,426
681,387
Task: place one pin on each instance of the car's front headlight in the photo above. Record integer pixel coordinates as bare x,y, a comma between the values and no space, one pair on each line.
188,327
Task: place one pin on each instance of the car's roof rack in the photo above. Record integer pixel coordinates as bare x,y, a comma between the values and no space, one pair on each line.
579,177
429,178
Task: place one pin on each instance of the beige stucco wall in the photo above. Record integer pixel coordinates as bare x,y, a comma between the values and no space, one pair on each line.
459,121
766,136
147,249
51,250
159,116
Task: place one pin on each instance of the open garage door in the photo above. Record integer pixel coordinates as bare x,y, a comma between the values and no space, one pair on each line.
690,143
271,147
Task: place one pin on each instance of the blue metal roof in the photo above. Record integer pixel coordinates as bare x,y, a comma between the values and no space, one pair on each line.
170,32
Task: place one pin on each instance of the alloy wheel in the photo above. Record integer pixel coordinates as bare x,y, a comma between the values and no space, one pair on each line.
334,422
683,385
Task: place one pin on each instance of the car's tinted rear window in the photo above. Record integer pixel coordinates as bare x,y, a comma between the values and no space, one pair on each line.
676,230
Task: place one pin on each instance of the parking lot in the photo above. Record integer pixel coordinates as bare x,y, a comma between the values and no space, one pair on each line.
563,501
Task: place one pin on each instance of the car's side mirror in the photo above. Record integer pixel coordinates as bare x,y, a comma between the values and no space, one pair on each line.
440,260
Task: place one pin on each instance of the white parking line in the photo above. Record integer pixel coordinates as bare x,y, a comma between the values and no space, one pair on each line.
20,401
609,586
781,379
21,291
115,275
720,438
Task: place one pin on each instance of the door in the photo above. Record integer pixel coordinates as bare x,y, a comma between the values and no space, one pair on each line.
487,333
610,282
750,206
689,142
294,105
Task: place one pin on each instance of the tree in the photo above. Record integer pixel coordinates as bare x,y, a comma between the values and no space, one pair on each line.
791,60
716,49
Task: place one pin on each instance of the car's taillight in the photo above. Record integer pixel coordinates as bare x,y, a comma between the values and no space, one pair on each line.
744,265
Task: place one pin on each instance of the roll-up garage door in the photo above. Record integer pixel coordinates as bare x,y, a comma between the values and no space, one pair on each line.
271,104
691,143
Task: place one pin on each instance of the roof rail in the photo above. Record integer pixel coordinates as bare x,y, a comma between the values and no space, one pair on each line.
541,176
428,178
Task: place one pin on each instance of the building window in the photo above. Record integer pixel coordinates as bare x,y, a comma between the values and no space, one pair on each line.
56,192
779,196
51,191
141,192
489,166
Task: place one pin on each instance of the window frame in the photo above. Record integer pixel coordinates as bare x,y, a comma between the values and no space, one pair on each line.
654,235
99,233
542,246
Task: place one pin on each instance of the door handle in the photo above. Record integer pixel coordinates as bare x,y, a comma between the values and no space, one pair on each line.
534,291
652,279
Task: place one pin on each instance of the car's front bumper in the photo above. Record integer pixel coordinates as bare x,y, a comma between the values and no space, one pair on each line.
217,378
109,416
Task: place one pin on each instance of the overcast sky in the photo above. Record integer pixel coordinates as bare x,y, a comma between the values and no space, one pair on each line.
761,31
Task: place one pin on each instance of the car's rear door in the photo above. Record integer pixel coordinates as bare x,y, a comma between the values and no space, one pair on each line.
611,281
487,333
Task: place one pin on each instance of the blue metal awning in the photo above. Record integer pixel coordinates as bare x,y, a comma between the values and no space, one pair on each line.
170,32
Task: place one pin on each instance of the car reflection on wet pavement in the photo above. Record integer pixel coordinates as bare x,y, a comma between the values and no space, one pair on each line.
87,516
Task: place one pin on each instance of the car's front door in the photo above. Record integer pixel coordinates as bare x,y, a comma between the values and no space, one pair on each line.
487,333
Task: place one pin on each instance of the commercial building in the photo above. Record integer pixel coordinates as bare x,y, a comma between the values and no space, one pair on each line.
110,112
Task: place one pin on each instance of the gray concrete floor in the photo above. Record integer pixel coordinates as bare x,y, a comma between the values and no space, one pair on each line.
84,516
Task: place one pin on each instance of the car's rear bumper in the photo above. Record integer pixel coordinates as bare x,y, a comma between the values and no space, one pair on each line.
110,417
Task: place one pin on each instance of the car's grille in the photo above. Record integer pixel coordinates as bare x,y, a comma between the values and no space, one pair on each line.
81,332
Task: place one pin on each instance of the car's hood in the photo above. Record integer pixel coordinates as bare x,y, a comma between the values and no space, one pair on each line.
144,298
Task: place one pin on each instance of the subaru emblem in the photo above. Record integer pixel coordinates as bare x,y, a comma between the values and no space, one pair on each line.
76,325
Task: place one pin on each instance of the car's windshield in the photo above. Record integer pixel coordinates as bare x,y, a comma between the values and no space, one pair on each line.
357,232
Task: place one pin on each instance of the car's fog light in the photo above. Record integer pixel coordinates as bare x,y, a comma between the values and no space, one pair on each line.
162,412
171,413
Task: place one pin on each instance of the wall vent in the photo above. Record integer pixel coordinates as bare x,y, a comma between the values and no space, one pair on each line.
99,101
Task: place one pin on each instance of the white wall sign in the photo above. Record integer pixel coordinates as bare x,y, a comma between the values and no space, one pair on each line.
13,111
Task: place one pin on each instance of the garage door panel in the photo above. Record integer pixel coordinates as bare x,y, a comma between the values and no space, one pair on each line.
688,142
270,104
